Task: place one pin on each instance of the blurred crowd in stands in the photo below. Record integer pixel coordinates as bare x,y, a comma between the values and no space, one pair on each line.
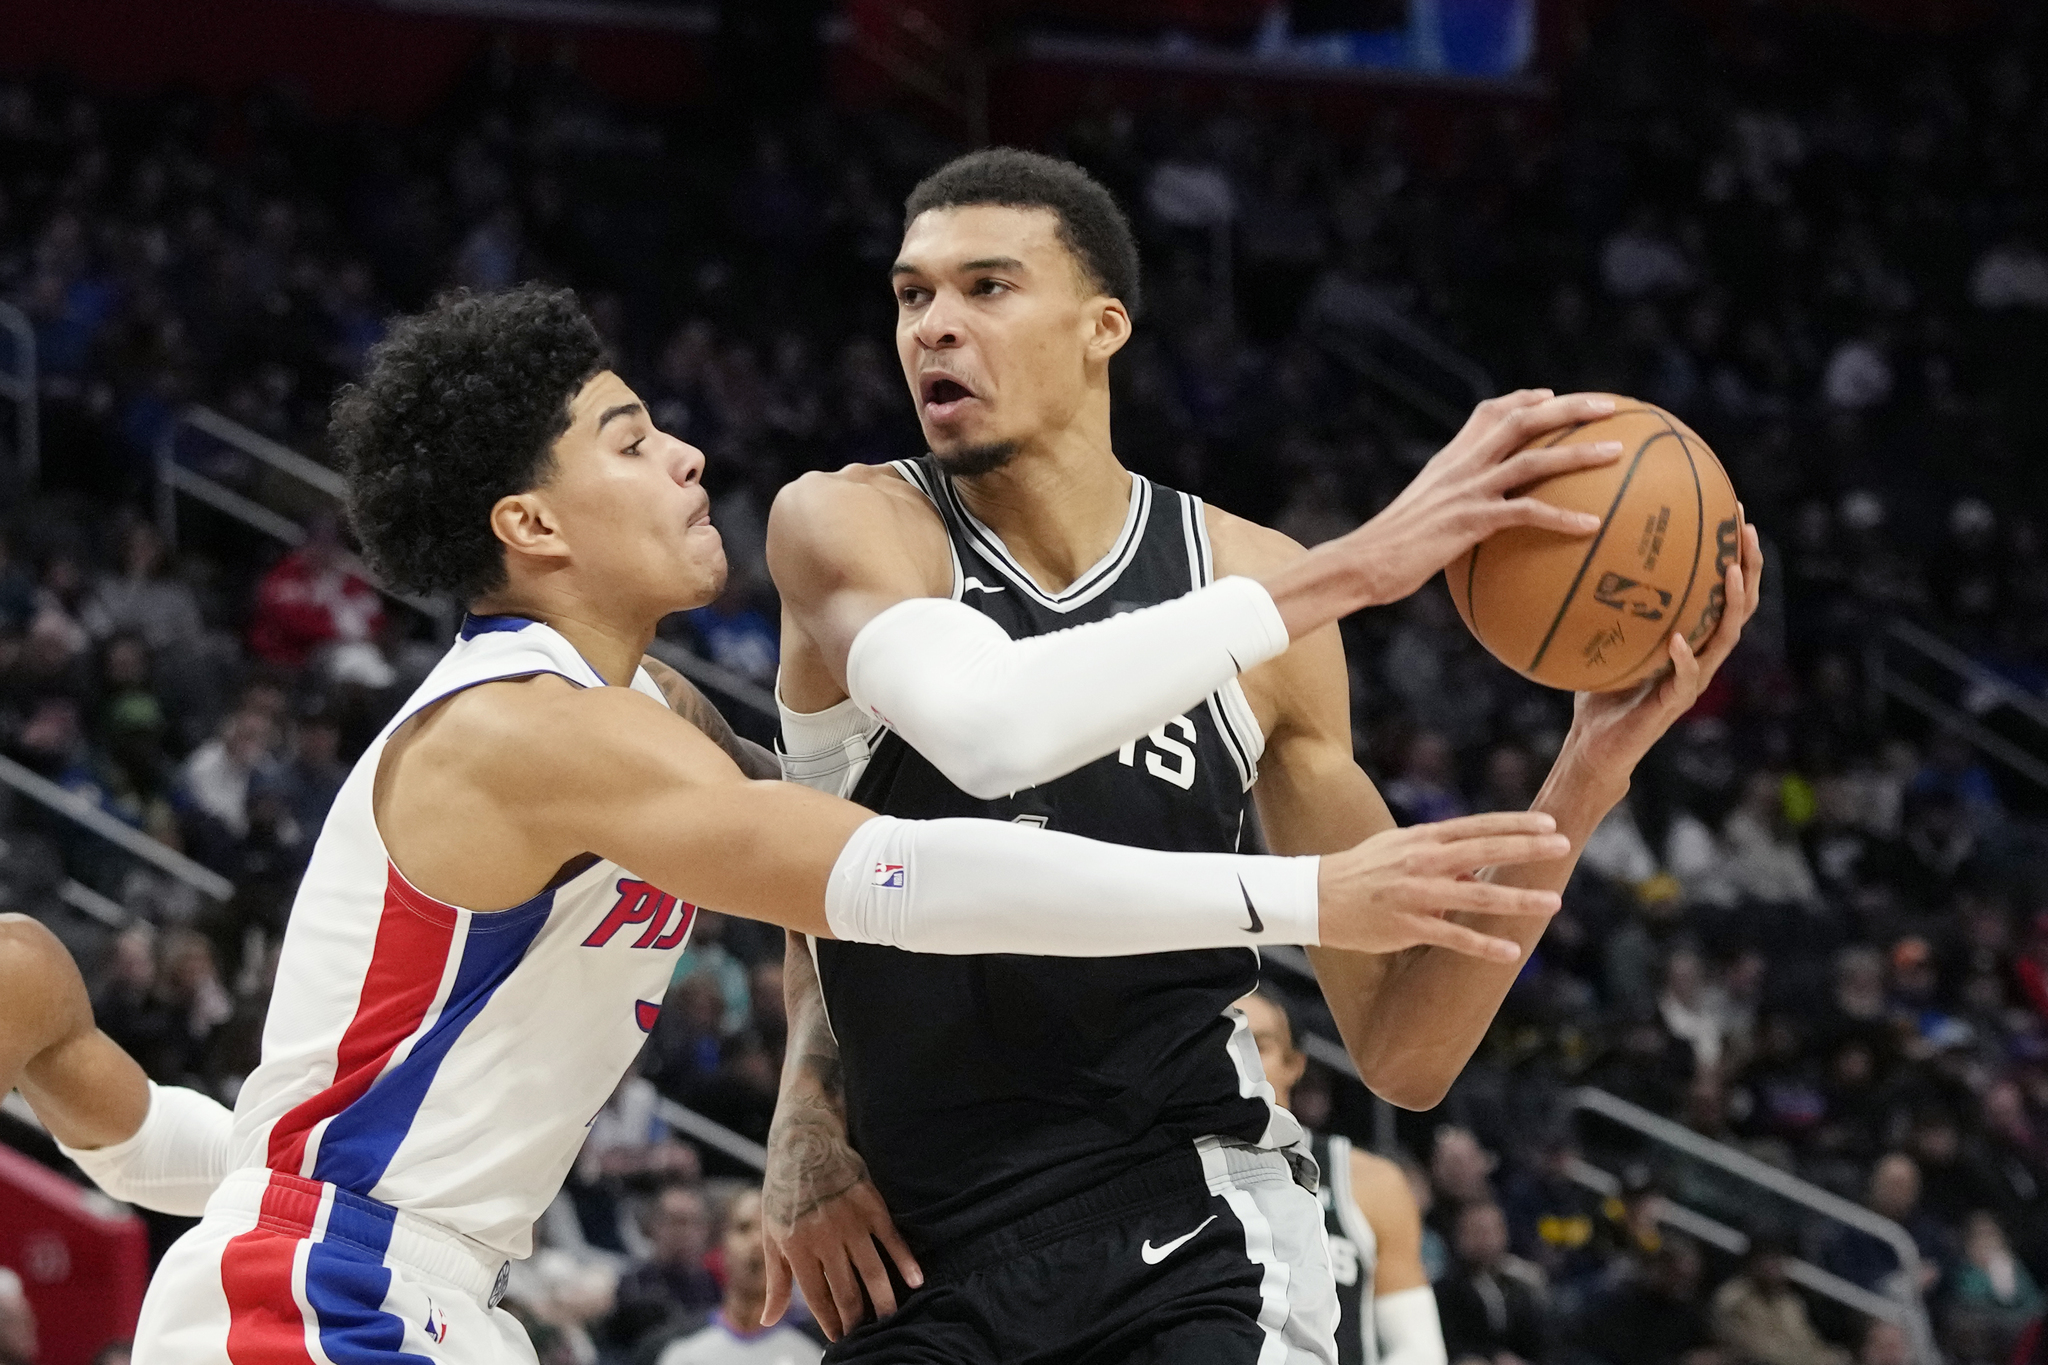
1818,929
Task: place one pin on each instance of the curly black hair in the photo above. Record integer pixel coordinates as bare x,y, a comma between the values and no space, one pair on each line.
461,406
1091,226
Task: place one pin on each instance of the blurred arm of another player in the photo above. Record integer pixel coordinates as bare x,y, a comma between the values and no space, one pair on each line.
861,560
163,1147
1404,1306
1412,1018
820,1212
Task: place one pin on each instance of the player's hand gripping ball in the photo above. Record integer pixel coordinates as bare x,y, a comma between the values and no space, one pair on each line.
1594,614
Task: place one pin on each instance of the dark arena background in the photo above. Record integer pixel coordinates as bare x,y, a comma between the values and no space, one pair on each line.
1797,997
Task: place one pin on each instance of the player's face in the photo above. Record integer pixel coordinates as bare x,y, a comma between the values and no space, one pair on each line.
628,503
997,328
1283,1062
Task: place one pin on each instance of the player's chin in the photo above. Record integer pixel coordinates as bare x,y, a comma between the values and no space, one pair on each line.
703,572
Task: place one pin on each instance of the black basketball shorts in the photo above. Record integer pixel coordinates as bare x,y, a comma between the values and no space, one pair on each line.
1212,1256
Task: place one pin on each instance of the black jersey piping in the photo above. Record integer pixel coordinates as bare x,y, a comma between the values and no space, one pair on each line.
1243,752
1083,590
913,474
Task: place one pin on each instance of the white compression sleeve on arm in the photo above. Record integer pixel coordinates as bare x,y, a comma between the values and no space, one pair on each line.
1408,1329
982,886
175,1159
997,715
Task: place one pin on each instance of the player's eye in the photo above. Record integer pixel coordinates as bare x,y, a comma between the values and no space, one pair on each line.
910,296
989,286
634,449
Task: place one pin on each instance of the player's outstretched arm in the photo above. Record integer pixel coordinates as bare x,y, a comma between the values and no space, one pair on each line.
863,567
516,780
821,1214
1411,1019
163,1147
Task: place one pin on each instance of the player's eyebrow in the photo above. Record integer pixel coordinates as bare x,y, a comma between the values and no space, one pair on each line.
622,410
993,263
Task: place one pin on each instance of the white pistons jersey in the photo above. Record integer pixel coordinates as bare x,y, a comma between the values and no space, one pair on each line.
447,1062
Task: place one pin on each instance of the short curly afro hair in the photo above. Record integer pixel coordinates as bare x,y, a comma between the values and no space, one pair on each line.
1091,226
461,406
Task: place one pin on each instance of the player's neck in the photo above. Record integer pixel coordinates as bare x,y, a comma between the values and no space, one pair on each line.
1059,505
610,645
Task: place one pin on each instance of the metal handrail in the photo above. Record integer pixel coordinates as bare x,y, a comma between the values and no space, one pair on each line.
82,812
22,390
174,478
1791,1188
712,1133
1735,1242
1940,651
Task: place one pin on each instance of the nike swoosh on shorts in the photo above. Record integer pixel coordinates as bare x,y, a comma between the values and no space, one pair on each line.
1153,1255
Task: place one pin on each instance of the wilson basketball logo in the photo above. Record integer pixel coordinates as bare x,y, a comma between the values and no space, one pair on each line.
667,919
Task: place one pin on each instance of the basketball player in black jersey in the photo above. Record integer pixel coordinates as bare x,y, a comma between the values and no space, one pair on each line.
1386,1309
1084,1157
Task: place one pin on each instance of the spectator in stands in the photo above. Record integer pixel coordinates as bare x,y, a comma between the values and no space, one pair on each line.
213,786
17,1322
671,1290
17,590
708,955
144,598
1656,1315
1885,1343
1766,862
1460,1172
1492,1304
315,598
735,1335
307,783
1993,1297
1760,1319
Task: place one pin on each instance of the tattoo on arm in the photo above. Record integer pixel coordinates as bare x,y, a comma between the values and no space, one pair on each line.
810,1161
693,706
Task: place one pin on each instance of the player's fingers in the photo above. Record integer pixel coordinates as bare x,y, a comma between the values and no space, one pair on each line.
1441,933
867,1263
1532,466
1528,422
1436,894
884,1229
845,1286
776,1303
1491,825
1502,850
1493,411
1753,566
810,1277
1537,515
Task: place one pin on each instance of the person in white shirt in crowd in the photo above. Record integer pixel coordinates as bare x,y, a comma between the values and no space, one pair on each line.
736,1336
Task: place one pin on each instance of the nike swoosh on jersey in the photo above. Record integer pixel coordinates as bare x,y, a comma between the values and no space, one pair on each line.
1257,926
1153,1255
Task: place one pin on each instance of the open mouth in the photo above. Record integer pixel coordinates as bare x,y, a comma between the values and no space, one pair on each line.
944,396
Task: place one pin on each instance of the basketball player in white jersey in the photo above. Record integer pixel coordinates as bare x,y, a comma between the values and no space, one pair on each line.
958,637
1388,1309
495,902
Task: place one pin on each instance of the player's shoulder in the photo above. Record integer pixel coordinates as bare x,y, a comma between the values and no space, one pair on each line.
1377,1183
1243,546
827,497
540,727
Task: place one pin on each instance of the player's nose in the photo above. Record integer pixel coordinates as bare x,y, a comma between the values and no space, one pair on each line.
686,462
938,326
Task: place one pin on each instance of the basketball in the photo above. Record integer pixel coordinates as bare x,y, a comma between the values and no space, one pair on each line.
1593,614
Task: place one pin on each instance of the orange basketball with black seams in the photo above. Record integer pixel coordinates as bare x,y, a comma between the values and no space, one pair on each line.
1593,614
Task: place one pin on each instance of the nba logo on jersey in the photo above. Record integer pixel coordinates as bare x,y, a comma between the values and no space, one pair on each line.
889,875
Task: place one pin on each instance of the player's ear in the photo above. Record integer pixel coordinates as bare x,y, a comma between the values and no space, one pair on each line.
525,525
1109,324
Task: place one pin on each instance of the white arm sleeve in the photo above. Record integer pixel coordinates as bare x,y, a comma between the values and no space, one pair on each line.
982,886
1408,1329
175,1159
997,715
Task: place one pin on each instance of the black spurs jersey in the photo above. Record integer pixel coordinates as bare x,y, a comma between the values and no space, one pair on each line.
1354,1251
982,1087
